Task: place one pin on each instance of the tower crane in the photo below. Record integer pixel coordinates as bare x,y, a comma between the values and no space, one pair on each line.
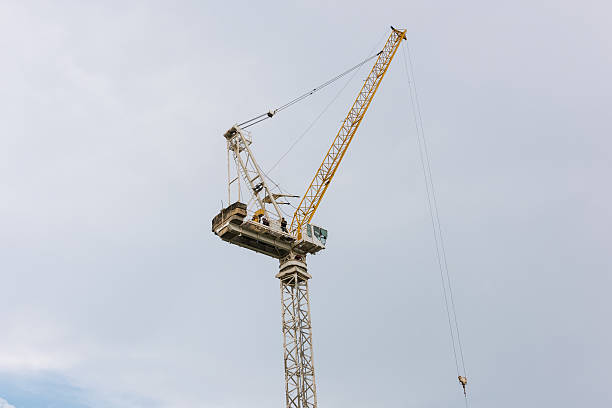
259,225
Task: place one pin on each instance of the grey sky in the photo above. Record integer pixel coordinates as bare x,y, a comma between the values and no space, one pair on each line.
112,164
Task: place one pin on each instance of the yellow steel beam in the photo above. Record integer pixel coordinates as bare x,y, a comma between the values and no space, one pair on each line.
311,200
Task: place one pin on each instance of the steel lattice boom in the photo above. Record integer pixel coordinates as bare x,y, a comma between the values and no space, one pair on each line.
332,159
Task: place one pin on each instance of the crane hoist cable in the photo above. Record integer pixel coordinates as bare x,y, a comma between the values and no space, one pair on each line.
432,204
269,114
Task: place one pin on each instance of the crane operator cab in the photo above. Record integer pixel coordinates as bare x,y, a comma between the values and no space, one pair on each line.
265,235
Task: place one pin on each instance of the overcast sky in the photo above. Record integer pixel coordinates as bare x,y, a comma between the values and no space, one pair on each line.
115,293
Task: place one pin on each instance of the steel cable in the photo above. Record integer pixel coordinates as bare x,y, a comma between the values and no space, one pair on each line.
268,115
435,220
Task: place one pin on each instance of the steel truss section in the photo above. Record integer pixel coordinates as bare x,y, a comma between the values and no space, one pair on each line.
247,169
311,200
297,334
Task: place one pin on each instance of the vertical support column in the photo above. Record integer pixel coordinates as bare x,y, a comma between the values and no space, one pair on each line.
229,175
297,333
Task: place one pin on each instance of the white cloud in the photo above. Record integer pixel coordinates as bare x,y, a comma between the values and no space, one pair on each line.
4,404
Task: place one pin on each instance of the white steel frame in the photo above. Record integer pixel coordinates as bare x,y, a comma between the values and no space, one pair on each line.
247,169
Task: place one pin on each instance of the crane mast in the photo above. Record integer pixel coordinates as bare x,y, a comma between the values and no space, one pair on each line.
290,246
311,200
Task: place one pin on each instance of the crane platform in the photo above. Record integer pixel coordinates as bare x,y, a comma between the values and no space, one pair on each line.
232,225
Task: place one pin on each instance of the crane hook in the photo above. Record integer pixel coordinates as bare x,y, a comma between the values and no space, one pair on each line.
463,382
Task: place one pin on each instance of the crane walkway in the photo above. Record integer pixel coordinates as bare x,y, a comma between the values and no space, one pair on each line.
233,226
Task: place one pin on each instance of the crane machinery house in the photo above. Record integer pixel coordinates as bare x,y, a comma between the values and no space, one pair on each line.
263,232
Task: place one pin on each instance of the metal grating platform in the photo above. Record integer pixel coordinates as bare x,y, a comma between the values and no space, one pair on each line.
232,226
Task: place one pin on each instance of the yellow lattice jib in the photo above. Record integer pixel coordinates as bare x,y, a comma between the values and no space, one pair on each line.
331,161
